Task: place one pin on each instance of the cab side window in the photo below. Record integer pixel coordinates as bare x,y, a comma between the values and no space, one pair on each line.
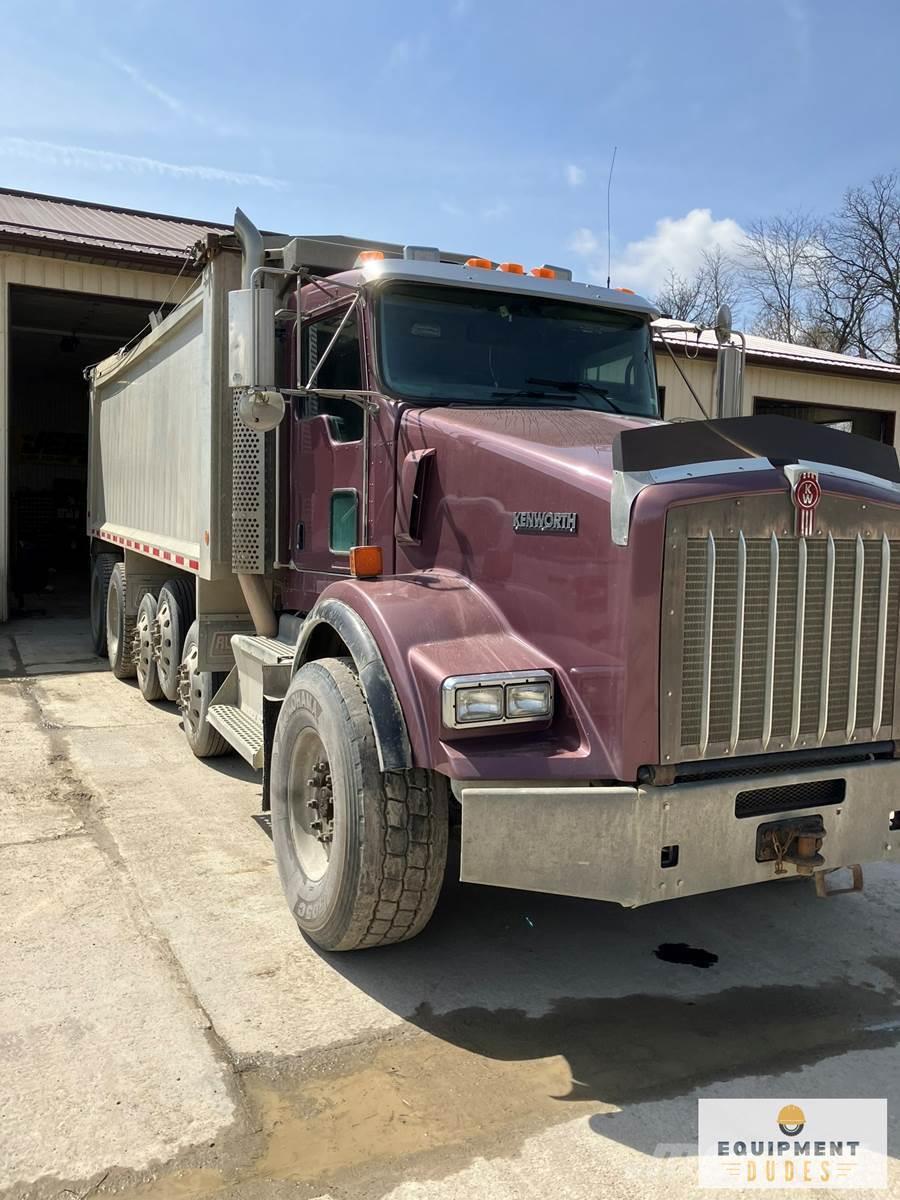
341,369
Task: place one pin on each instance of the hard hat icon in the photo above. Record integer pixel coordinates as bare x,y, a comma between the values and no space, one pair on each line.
791,1119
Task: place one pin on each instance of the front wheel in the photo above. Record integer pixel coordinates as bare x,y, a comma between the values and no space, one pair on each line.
361,853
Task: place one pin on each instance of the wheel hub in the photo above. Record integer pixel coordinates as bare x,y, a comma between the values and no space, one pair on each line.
321,802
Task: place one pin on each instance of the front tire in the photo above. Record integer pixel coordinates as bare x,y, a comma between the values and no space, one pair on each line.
361,853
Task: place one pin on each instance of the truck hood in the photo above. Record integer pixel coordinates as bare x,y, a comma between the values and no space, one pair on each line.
573,444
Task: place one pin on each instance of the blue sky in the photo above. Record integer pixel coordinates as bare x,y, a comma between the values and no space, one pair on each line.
481,125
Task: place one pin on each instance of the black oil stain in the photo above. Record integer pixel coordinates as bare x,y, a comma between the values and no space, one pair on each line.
634,1048
688,956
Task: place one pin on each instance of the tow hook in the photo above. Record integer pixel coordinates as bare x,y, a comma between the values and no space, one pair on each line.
797,842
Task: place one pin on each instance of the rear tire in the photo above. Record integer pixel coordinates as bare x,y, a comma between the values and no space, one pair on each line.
144,660
101,571
196,689
174,615
361,853
119,627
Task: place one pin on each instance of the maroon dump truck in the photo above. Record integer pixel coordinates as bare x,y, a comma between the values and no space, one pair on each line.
405,531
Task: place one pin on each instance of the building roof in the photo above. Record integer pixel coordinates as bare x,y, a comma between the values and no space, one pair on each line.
98,232
682,335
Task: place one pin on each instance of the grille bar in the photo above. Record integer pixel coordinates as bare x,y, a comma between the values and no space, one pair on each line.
770,641
853,690
827,620
798,640
708,639
738,641
881,648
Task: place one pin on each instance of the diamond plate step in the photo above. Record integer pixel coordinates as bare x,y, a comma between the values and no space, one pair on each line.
240,730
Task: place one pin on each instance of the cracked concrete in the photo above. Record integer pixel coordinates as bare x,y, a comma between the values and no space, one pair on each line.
164,1030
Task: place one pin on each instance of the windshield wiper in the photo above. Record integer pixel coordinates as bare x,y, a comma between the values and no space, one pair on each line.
579,385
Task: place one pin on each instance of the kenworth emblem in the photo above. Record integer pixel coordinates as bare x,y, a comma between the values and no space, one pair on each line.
545,522
806,495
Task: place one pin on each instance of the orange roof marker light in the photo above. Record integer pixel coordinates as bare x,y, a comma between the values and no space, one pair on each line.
366,561
543,272
627,291
365,256
512,268
480,262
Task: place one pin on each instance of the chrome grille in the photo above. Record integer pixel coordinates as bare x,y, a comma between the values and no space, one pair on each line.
774,642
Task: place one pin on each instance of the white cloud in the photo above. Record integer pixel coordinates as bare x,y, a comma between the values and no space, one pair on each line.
575,175
676,244
584,242
107,161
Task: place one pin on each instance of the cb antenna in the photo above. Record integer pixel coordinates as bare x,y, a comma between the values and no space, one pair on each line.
608,229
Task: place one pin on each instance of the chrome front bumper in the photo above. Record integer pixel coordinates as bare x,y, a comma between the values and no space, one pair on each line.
606,843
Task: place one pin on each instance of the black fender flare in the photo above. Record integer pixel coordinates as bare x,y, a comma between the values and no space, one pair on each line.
388,722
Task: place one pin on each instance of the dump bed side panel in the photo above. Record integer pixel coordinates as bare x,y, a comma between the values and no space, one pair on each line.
160,462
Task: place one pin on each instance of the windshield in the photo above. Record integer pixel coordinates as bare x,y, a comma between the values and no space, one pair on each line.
463,345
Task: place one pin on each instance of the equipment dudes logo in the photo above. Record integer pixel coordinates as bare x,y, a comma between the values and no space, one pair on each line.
806,495
799,1144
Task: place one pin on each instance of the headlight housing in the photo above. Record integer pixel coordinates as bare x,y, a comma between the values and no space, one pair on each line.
507,698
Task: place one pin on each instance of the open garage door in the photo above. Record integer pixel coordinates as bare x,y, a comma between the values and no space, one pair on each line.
865,422
53,336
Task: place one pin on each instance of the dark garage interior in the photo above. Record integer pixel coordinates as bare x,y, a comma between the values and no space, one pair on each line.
54,335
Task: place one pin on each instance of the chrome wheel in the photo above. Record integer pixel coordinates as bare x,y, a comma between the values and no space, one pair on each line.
143,646
167,651
311,804
192,700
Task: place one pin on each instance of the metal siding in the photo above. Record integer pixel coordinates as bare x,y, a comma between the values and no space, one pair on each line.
33,270
53,220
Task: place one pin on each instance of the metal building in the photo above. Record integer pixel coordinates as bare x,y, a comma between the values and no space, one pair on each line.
76,281
857,395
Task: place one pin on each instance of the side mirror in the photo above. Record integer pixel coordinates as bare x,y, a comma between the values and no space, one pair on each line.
261,410
723,326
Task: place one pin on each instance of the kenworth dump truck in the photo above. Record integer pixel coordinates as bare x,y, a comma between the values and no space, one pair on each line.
405,531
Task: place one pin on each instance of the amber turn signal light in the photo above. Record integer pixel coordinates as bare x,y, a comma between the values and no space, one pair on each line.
366,561
365,256
479,262
543,272
513,268
627,291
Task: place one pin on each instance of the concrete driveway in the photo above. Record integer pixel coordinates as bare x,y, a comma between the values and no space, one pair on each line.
166,1032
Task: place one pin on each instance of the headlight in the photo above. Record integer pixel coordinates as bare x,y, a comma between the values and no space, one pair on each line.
507,698
479,704
528,700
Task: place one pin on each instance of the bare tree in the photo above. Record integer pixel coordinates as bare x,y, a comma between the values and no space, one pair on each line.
721,280
865,246
776,254
840,311
696,297
682,297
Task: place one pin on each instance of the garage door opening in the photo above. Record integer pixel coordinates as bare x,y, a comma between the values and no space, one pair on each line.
865,422
53,336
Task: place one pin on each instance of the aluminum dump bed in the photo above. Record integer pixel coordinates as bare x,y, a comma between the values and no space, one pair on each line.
159,476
